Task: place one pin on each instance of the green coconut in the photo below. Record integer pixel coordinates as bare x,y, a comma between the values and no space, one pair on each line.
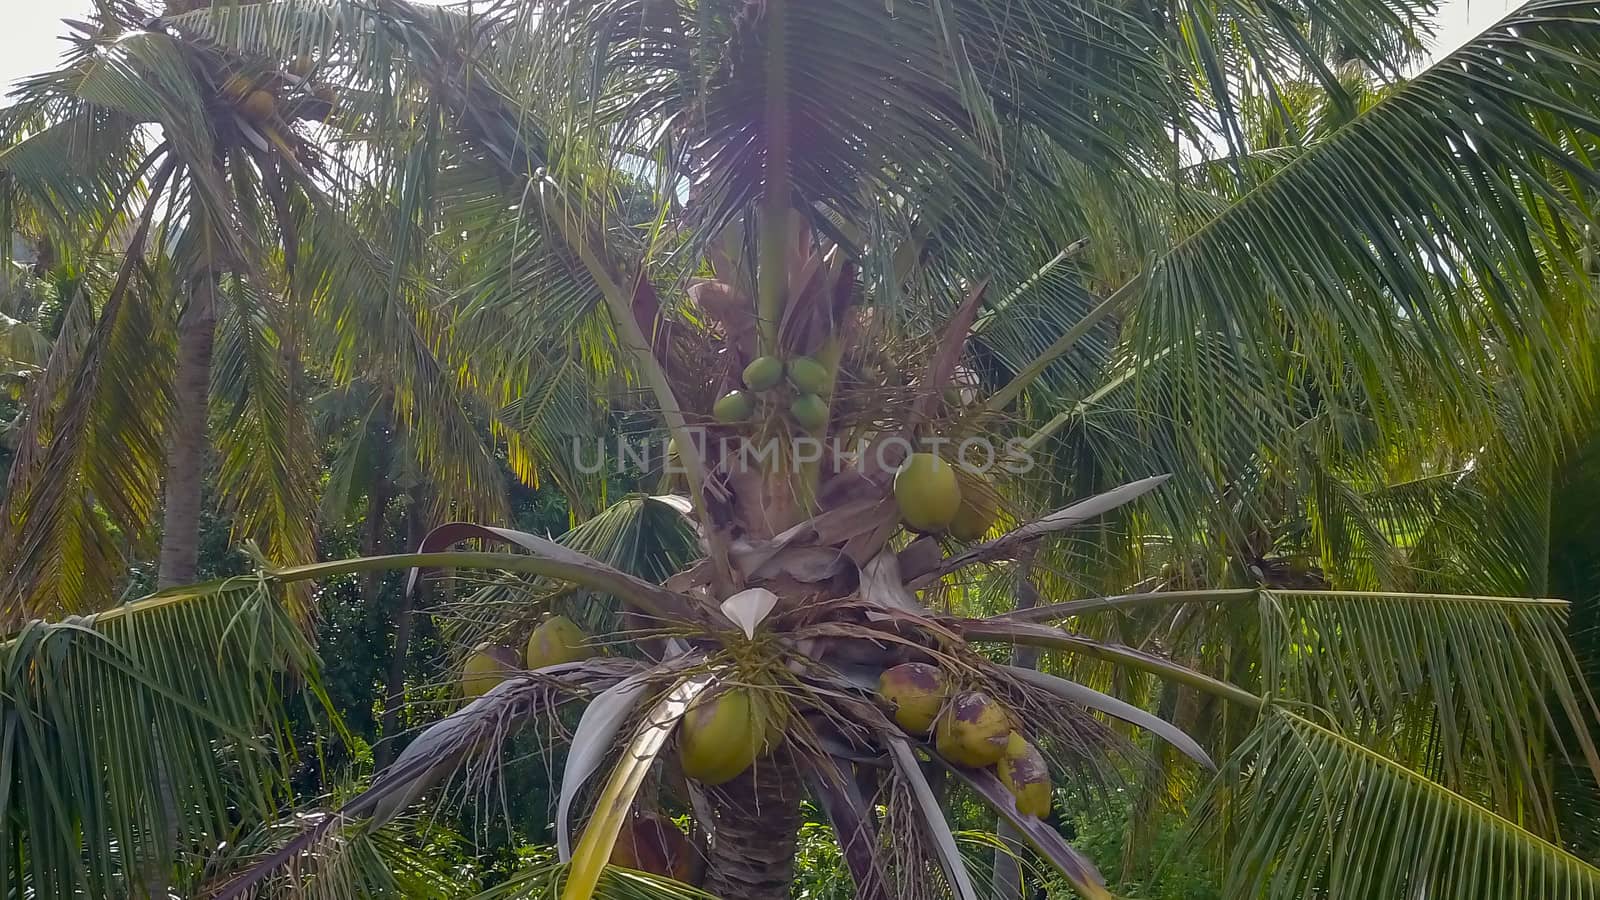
259,106
980,505
917,691
763,374
810,411
557,640
735,406
973,731
808,376
721,736
926,490
488,665
1023,771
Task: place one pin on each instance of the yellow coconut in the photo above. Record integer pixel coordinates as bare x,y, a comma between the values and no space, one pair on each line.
763,374
927,493
972,731
917,691
652,843
487,666
721,736
735,406
557,640
1024,773
808,376
979,505
259,106
810,411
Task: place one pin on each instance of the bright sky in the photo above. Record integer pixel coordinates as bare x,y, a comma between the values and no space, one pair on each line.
28,29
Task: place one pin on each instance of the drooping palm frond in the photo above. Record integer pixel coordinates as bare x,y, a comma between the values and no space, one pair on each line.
385,864
1319,813
643,536
267,458
134,735
92,453
1492,718
1474,692
1471,235
380,320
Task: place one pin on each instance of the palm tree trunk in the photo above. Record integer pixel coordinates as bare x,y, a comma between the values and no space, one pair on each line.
379,493
394,686
186,451
755,833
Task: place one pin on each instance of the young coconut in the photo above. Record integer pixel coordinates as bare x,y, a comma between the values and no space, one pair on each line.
651,843
734,407
557,640
488,665
973,731
926,490
917,691
259,106
1024,773
763,374
720,737
810,411
808,376
979,505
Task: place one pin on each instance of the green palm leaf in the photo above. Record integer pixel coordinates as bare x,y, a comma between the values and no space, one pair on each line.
157,721
1320,814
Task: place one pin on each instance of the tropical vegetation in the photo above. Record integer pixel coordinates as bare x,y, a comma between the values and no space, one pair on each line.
765,448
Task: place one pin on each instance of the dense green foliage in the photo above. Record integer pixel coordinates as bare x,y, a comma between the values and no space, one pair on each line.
385,266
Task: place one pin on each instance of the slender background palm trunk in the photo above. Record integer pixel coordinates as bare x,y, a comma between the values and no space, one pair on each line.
186,450
394,688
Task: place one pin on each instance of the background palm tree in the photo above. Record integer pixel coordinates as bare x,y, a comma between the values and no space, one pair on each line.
1290,275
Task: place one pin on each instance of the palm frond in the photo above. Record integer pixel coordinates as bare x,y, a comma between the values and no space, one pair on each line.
1475,692
93,459
1489,679
1318,813
267,455
154,722
1469,236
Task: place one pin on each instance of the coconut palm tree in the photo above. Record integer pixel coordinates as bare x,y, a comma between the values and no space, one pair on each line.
841,249
130,152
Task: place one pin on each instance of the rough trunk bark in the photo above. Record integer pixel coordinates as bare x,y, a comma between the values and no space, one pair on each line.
394,686
186,450
754,834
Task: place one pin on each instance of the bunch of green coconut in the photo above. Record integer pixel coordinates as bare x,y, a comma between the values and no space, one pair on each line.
970,729
720,737
809,382
555,641
934,496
